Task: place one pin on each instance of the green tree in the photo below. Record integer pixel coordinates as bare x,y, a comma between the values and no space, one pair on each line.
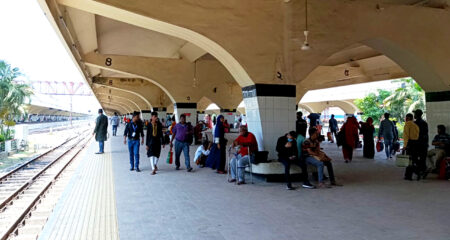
12,96
405,99
372,105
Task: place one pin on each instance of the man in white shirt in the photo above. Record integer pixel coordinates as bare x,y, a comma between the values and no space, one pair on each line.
202,153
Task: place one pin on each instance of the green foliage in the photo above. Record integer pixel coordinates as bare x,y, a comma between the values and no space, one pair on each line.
398,103
12,96
405,99
372,105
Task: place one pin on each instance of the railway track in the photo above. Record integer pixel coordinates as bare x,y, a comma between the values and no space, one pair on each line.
23,188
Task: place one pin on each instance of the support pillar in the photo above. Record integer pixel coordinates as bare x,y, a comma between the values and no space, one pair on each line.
437,111
270,111
162,112
188,109
146,114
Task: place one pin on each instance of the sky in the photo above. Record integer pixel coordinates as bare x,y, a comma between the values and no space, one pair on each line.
28,41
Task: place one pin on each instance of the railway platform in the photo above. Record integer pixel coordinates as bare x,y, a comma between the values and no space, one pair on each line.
104,200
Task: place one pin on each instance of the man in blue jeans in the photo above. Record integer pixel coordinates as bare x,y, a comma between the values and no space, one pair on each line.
181,133
314,156
100,131
134,131
387,131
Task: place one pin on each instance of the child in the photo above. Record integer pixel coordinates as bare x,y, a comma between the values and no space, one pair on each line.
202,153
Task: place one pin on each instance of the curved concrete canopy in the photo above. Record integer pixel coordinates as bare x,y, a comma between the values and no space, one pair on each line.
419,69
115,100
230,63
122,99
317,107
103,88
122,109
307,108
41,110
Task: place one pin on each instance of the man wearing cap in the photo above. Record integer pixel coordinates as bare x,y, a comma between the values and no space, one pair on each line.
100,131
422,142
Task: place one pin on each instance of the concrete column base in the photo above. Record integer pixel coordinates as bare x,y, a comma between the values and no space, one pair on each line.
437,111
270,113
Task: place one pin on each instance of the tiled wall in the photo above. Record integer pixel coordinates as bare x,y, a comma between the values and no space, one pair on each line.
269,118
192,118
437,113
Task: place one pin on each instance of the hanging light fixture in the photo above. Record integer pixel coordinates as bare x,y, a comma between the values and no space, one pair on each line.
195,74
305,45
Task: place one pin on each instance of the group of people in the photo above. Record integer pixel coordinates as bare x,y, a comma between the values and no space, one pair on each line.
292,148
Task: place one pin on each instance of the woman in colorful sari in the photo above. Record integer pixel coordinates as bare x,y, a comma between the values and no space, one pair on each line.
217,156
350,129
368,130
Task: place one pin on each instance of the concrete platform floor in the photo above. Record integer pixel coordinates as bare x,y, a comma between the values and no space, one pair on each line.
374,203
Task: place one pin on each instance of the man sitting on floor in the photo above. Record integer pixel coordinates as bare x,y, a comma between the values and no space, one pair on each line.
441,142
202,153
244,142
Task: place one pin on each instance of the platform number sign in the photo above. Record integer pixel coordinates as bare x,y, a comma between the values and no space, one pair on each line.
108,62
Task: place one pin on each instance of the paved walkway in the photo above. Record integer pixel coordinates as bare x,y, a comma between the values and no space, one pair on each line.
375,203
87,208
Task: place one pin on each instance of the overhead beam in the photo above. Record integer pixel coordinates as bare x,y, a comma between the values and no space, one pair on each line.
137,97
123,99
117,101
230,63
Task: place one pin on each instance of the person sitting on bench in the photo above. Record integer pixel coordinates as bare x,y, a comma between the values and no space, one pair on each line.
287,154
314,156
245,141
441,142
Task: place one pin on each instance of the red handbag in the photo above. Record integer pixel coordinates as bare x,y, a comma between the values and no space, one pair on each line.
380,146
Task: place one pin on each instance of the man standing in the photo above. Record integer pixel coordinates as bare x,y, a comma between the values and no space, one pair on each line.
114,123
181,132
133,131
333,127
100,131
387,132
245,141
300,125
410,142
422,142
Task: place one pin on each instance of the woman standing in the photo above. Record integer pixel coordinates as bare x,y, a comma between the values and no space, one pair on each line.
350,129
154,141
217,156
368,130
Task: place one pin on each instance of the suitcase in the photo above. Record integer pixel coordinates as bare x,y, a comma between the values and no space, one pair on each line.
402,160
330,137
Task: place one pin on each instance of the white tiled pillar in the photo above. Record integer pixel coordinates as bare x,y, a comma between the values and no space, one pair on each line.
437,111
146,114
270,113
188,109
